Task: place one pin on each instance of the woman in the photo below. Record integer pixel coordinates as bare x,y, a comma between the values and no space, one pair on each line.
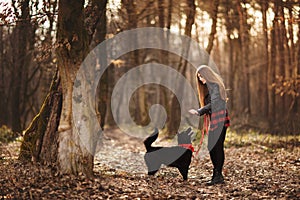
212,97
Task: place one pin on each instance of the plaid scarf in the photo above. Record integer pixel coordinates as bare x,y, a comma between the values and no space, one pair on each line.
219,118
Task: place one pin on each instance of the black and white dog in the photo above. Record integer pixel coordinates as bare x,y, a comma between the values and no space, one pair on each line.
177,156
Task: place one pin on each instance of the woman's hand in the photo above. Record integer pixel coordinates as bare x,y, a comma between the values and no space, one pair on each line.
193,112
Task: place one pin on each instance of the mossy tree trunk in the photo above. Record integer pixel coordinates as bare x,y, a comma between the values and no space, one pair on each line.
40,139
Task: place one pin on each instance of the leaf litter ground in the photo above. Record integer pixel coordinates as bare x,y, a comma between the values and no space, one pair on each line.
252,171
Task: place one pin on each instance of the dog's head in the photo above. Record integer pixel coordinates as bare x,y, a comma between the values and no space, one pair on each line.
185,137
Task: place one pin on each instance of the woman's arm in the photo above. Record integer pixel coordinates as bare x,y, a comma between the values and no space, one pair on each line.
201,111
204,110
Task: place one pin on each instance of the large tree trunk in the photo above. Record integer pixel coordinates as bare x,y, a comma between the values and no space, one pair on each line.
52,136
73,43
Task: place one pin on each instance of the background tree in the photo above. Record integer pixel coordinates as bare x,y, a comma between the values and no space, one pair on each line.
175,115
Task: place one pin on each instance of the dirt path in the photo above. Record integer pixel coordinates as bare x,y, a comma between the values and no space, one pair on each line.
121,152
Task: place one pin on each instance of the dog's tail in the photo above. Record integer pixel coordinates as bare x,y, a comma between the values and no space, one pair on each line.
149,140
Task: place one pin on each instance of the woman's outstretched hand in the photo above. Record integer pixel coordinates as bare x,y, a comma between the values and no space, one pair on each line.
193,112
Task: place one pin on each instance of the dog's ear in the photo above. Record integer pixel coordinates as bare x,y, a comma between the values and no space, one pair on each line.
192,135
179,134
188,130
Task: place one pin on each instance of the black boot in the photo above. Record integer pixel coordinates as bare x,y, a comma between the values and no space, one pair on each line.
217,178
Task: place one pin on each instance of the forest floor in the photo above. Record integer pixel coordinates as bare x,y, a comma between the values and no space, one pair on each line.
256,167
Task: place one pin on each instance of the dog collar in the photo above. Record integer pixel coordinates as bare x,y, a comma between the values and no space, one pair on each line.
188,146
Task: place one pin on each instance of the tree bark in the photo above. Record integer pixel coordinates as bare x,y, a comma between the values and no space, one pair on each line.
99,36
41,139
293,52
280,69
244,38
229,28
3,105
161,13
73,43
264,75
297,60
20,51
271,70
214,17
169,18
48,147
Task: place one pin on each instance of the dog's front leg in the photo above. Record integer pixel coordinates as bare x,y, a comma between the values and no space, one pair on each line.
184,172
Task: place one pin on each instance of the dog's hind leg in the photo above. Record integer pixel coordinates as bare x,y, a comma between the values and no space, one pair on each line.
152,168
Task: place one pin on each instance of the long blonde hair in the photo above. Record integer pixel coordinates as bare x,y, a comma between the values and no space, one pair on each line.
211,77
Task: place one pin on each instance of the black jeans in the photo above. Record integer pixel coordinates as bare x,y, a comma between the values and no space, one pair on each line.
216,148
